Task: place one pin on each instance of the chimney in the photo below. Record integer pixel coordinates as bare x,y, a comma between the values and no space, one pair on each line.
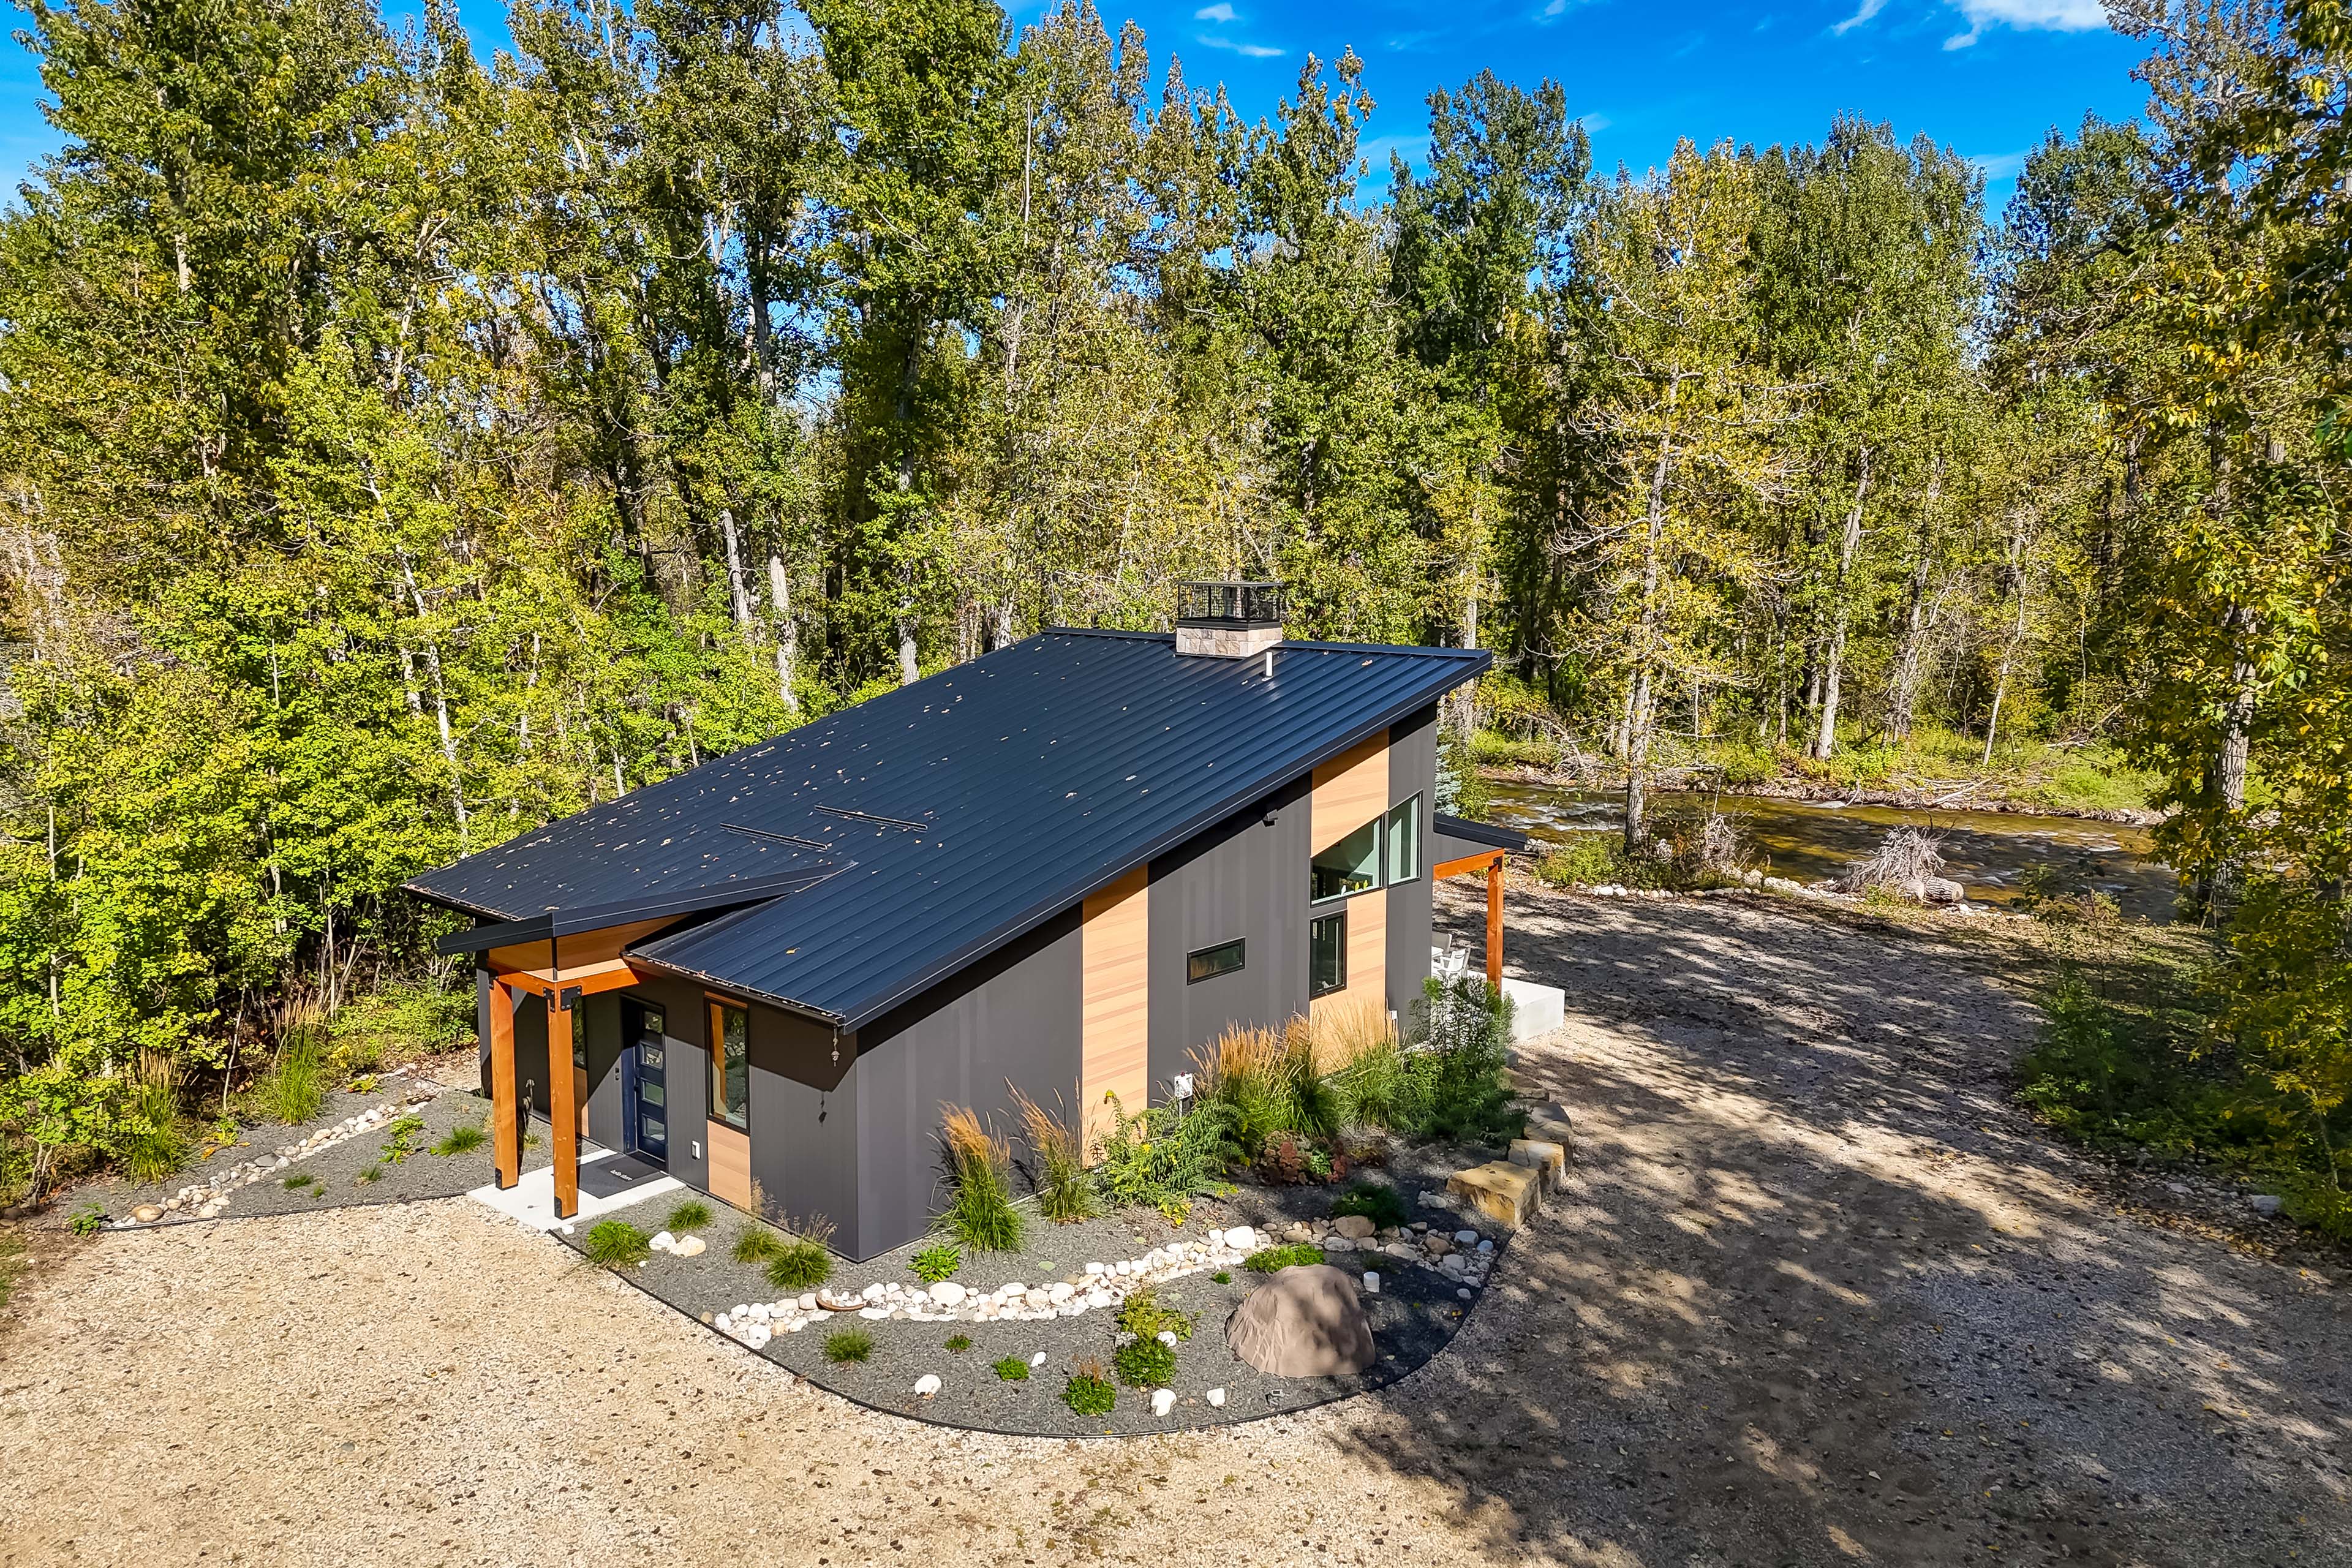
1228,620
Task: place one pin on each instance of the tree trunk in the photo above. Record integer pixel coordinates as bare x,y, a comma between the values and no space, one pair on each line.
1834,664
1639,719
788,637
1910,656
909,671
738,591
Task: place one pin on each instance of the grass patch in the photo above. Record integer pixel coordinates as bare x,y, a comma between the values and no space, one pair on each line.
462,1139
757,1244
1012,1369
1058,1163
373,1174
294,1183
295,1087
1144,1364
1090,1391
1223,1277
936,1262
958,1343
981,1213
793,1261
1295,1256
691,1215
843,1346
1375,1201
617,1244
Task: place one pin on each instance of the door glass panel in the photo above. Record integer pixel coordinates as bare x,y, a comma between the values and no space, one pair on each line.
654,1130
649,1057
650,1093
654,1024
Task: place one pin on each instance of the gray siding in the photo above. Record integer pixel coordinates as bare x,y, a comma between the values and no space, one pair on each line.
685,1071
1013,1015
1412,770
1242,879
805,1120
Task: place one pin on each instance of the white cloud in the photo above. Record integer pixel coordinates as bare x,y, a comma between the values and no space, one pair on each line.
1999,165
1592,122
1247,51
1220,12
2027,16
1862,13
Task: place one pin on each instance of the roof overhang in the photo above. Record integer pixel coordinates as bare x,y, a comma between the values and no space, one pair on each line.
557,923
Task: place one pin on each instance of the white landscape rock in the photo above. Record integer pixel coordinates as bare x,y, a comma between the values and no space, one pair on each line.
927,1385
1241,1238
947,1293
1216,1398
1163,1400
663,1241
1371,1282
1037,1359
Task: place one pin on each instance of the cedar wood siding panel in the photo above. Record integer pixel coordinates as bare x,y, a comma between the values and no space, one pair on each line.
1243,879
1115,1053
1015,1014
1350,790
1412,770
804,1119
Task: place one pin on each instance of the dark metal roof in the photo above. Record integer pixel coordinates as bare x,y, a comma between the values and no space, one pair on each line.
1485,834
957,813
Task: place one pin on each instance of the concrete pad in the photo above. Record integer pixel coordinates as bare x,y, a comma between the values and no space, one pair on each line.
1506,1193
532,1201
1535,1009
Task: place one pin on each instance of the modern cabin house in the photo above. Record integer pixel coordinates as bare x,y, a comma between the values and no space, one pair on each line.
1062,867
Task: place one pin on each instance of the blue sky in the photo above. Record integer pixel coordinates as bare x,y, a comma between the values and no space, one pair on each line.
1987,78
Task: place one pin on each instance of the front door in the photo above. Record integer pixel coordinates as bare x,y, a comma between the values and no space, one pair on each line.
645,1089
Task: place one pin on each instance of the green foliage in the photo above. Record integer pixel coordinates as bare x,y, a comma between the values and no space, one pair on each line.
1591,861
1147,1317
399,1023
617,1244
802,1263
465,1137
693,1214
937,1262
294,1088
1057,1165
958,1343
1143,1364
1088,1392
1267,1260
400,1138
1376,1201
1012,1369
1456,1086
843,1346
299,1180
980,1213
154,1146
87,1222
373,1174
1223,1277
1167,1155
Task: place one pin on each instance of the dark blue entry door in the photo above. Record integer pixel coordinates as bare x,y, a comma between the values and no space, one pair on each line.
644,1083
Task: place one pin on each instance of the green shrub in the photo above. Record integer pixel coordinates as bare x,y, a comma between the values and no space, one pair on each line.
1147,1317
1223,1277
799,1260
88,1222
1057,1163
758,1244
936,1262
399,1023
1013,1369
691,1215
1376,1201
1744,765
462,1139
1298,1255
1167,1155
1144,1364
958,1343
617,1244
295,1087
1088,1392
845,1345
400,1140
152,1144
979,1214
1586,861
1454,1086
1269,1080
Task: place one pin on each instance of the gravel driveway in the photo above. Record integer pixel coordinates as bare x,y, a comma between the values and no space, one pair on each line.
1819,1295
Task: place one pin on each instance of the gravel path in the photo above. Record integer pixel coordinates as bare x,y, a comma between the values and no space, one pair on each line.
1819,1295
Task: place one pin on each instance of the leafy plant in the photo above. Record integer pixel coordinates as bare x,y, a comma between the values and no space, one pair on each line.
461,1138
1269,1082
691,1215
1057,1163
758,1244
843,1346
1223,1277
399,1022
295,1086
979,1214
1147,1317
87,1222
958,1343
1144,1364
799,1260
1088,1391
1012,1369
1298,1255
1454,1086
400,1137
936,1262
1165,1155
1375,1201
617,1244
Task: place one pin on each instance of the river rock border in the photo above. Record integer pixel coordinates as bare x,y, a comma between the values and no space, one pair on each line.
205,1200
1463,1254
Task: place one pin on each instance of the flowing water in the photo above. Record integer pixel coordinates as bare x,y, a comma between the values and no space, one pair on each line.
1987,852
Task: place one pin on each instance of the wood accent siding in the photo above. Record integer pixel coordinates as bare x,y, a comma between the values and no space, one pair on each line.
730,1163
1368,954
1115,985
1350,790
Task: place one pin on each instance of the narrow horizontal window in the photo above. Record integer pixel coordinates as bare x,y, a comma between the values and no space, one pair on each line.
1327,954
1211,962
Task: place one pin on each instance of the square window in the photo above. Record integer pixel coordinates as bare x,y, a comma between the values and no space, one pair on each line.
1405,842
1327,954
730,1064
1350,865
1211,962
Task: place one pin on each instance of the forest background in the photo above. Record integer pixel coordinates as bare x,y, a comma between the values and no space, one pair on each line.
399,449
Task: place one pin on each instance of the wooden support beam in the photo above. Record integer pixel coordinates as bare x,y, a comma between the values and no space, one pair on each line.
1495,922
562,1112
589,980
1466,865
505,1143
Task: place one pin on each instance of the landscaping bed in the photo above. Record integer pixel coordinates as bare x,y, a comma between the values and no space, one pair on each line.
1415,1311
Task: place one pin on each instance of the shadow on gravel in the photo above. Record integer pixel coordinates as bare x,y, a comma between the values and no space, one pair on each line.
1819,1293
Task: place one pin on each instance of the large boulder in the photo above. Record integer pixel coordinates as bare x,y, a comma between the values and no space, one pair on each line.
1305,1321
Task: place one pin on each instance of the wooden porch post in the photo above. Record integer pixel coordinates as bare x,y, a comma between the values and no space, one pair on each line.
1495,922
504,1144
562,1113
